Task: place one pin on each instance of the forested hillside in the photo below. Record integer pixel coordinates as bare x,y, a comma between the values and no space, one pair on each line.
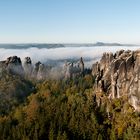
63,110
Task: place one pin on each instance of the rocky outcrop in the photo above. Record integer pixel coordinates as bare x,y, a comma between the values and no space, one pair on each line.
118,75
72,70
36,69
28,66
40,71
12,65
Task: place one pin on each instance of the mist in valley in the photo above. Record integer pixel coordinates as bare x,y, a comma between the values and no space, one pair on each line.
58,55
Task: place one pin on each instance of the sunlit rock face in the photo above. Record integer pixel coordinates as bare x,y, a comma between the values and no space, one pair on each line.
118,75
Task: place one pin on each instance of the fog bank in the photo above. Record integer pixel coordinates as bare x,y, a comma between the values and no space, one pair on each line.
90,53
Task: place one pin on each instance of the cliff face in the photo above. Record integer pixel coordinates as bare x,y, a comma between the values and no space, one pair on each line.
119,75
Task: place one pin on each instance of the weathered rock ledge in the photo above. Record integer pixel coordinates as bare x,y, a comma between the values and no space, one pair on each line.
118,75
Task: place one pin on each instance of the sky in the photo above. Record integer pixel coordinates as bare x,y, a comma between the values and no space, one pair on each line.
69,21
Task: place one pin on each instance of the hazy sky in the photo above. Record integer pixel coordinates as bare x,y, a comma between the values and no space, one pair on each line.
69,21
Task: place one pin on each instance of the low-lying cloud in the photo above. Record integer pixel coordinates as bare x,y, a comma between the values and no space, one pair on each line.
44,54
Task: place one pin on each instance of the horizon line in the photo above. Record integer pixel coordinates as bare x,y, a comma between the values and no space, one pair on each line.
67,43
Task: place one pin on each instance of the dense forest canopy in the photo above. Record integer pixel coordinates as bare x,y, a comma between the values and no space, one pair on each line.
62,110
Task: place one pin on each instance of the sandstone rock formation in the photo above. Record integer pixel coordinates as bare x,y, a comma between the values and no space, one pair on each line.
12,65
42,74
28,66
36,69
118,75
41,71
73,69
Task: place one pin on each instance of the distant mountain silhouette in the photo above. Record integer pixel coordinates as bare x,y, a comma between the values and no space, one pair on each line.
59,45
